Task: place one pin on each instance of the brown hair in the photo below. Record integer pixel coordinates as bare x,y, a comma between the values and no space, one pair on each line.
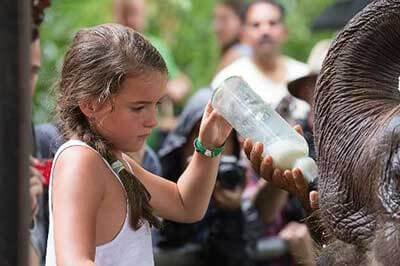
236,5
95,66
271,2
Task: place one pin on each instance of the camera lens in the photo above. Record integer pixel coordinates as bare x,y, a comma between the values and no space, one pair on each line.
230,173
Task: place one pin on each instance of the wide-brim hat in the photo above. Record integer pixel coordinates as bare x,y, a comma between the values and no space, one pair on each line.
303,87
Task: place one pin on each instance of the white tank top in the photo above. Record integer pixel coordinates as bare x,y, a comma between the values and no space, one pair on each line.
129,247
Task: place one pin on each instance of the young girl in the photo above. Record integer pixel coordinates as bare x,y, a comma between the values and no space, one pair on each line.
102,203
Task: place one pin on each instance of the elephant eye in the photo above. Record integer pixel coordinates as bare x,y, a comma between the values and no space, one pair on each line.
389,187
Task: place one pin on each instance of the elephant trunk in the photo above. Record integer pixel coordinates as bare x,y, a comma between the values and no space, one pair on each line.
357,123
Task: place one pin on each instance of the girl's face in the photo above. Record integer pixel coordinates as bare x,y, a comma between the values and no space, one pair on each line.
128,125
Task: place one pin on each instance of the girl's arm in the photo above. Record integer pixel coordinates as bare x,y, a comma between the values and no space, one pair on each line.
188,199
78,190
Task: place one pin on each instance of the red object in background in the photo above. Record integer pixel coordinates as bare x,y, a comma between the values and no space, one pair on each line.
44,167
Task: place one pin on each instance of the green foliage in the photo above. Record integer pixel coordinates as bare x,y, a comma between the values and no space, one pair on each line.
299,18
185,25
62,20
189,34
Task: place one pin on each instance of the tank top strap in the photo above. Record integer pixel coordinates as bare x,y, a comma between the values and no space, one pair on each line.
70,143
112,167
128,245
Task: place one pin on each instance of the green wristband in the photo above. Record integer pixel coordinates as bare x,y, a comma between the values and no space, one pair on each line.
203,150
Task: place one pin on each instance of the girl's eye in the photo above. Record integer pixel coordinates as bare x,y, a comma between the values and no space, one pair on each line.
137,109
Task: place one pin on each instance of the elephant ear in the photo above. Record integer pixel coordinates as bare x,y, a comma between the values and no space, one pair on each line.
357,97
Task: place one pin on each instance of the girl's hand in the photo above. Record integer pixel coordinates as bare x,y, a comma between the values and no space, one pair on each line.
214,129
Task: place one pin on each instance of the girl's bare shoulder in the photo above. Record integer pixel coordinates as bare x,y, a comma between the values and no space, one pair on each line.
80,166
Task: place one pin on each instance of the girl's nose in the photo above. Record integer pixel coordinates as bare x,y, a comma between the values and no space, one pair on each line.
151,120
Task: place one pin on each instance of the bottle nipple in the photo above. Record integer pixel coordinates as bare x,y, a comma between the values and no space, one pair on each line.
308,167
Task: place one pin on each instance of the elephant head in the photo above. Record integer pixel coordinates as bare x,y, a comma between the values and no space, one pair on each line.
357,136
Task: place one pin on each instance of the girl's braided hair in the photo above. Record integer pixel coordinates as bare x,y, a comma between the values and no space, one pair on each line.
96,64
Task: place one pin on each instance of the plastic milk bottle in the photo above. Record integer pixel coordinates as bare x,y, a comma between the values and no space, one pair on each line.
253,118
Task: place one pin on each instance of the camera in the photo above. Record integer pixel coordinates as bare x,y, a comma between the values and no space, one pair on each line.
231,172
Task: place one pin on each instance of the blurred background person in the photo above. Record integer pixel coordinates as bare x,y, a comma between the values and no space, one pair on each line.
38,167
267,71
296,234
227,26
37,234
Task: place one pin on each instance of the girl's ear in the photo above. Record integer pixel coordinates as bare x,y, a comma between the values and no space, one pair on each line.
93,109
88,108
